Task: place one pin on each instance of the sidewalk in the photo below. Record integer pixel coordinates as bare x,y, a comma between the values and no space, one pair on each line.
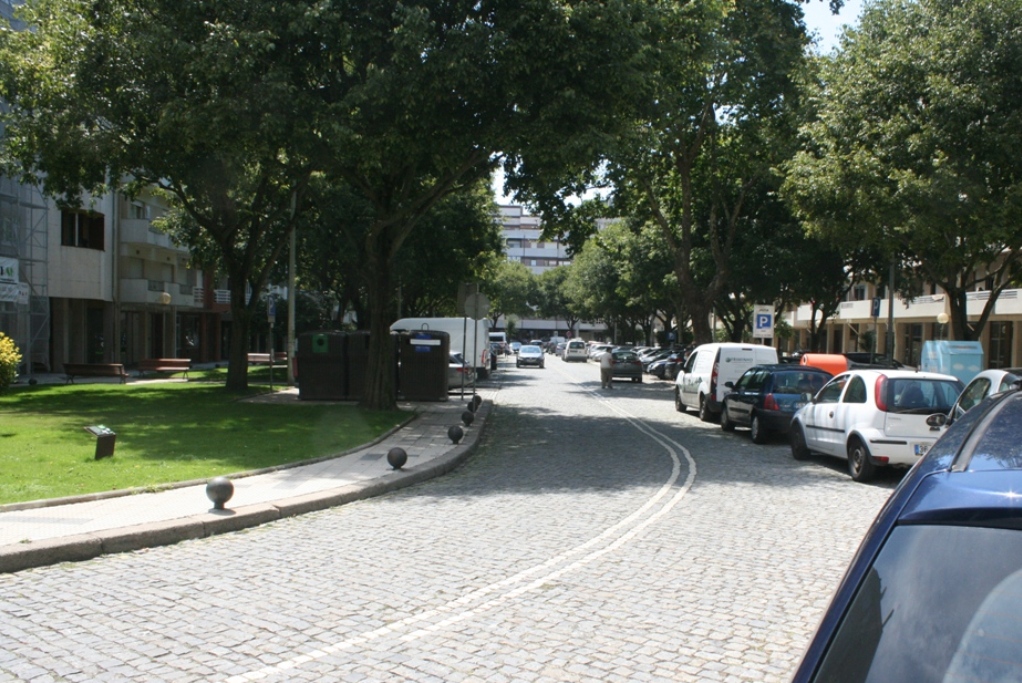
37,536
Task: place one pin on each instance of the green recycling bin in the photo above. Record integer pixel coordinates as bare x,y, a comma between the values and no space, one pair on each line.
322,366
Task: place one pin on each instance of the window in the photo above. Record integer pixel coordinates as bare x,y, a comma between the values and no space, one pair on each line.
926,575
856,391
138,210
82,229
832,392
1000,344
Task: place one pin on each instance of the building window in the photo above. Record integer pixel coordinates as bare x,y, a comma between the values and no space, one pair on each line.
138,211
82,229
913,343
1000,344
859,293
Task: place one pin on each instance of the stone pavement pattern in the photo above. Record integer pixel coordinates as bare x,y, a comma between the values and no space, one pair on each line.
578,544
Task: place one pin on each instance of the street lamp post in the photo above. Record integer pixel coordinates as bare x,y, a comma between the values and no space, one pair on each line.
942,320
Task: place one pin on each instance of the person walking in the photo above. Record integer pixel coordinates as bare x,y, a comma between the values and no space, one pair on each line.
607,369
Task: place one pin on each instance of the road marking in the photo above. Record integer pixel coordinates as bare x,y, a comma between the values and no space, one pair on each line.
507,589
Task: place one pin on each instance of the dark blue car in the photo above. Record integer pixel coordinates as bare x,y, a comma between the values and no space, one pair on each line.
766,396
934,593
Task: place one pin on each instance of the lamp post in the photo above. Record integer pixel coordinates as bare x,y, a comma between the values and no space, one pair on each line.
942,320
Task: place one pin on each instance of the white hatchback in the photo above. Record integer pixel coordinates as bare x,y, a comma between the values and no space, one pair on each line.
874,418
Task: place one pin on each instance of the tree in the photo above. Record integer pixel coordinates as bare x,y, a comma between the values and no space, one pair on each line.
916,150
511,288
202,100
717,119
425,98
553,299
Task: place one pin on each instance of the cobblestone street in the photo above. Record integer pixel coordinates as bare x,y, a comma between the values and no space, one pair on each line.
595,536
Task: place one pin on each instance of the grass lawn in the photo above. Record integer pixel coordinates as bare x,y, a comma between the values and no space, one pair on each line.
166,432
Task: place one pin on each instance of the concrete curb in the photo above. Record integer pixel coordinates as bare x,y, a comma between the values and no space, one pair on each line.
91,545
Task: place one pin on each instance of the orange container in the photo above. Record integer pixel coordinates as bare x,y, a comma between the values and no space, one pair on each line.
833,363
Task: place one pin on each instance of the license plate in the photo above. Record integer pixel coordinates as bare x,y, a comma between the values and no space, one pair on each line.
921,448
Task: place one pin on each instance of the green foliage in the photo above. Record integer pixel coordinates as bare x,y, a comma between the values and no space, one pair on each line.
10,358
915,151
512,290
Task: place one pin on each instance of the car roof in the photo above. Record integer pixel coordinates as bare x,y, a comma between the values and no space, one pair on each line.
788,367
897,374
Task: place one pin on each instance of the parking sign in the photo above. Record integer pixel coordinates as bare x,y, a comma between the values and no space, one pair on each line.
763,322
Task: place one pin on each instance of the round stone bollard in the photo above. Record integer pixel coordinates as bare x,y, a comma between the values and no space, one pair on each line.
455,433
478,400
472,406
397,457
219,490
467,417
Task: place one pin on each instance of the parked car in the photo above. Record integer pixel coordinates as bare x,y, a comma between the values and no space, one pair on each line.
765,398
649,359
874,418
459,371
986,383
668,366
559,348
627,365
515,346
702,383
597,350
575,350
530,354
933,593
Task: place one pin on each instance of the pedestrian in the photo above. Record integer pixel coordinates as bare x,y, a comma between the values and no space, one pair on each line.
607,369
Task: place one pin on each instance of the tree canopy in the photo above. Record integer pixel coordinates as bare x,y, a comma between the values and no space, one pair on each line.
916,151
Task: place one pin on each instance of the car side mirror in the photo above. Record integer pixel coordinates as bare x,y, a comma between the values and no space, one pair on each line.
729,385
937,420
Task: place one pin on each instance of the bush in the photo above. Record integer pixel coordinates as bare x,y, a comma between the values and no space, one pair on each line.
10,358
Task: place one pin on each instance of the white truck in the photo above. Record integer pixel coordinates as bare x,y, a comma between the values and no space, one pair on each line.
469,337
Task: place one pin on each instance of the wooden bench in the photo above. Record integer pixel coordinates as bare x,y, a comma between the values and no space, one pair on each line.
279,358
72,370
164,365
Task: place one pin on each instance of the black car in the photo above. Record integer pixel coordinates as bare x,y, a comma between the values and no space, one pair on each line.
934,592
766,396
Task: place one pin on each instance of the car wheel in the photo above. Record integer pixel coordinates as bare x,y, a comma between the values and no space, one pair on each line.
678,405
799,448
725,422
759,433
704,410
859,465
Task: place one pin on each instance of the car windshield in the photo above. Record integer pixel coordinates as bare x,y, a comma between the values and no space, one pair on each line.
530,349
890,631
456,359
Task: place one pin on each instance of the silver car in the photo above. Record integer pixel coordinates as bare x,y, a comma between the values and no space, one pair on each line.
530,355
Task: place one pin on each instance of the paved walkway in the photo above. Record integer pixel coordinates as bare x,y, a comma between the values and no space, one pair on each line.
32,535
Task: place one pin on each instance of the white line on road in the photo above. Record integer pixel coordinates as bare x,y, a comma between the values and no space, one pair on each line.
462,608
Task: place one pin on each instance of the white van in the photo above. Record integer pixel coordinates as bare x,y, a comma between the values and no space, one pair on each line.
701,384
576,349
469,337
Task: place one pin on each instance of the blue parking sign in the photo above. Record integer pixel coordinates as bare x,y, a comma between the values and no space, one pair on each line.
763,322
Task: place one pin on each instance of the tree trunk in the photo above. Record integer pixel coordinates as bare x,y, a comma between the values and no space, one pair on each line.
380,392
241,323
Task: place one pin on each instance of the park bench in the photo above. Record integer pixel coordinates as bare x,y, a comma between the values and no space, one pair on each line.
279,358
164,365
72,370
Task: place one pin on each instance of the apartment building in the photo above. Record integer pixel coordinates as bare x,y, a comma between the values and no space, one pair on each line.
523,242
100,284
862,323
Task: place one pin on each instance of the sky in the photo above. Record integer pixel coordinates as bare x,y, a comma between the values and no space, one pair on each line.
819,20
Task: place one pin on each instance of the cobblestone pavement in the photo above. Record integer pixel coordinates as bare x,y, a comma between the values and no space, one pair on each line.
596,536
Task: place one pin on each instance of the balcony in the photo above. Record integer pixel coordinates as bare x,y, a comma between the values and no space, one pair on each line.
151,292
139,231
